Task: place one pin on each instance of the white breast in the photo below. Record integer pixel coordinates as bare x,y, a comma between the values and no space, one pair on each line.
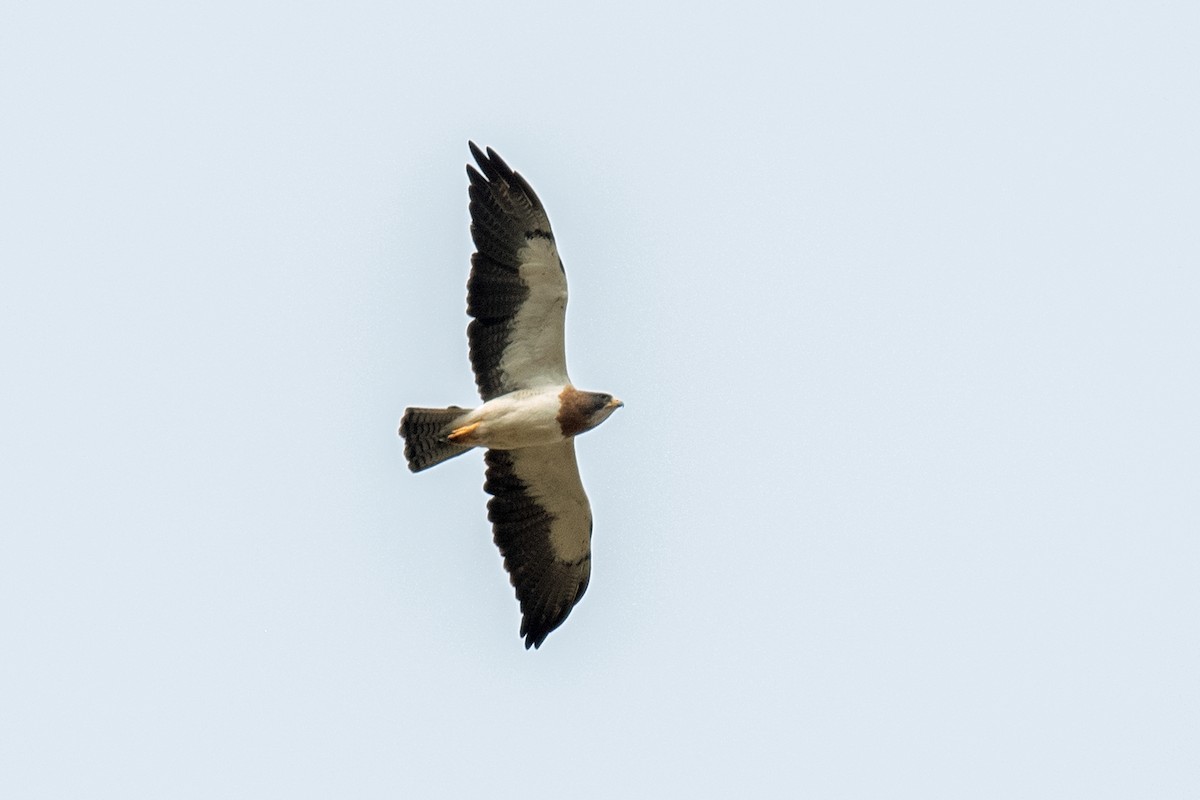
525,418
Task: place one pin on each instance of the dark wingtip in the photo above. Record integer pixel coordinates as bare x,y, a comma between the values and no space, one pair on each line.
473,173
492,165
535,634
477,153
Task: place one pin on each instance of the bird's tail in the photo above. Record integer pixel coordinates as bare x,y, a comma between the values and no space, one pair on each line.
425,432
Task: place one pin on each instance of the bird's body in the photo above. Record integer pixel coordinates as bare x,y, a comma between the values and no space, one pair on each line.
524,418
531,414
530,418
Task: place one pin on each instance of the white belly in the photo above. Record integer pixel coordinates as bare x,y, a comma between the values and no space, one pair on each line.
525,418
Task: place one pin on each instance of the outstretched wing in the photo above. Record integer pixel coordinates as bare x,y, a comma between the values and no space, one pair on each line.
543,525
517,292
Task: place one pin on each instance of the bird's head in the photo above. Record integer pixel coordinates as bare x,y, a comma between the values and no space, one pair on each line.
582,411
601,407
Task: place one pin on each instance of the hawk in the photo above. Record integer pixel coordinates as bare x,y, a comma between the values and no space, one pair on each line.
531,414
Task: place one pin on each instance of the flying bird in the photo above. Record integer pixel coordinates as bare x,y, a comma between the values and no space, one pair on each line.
531,413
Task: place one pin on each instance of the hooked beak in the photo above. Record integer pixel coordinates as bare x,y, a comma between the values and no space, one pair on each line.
614,404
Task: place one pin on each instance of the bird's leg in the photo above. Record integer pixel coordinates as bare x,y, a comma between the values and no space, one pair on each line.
459,435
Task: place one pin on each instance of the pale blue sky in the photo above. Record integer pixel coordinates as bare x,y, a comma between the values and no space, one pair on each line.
903,301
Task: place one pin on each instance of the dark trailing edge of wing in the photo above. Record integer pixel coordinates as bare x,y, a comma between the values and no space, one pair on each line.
547,588
505,215
494,295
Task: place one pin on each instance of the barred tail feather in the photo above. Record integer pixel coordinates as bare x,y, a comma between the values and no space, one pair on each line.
425,431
